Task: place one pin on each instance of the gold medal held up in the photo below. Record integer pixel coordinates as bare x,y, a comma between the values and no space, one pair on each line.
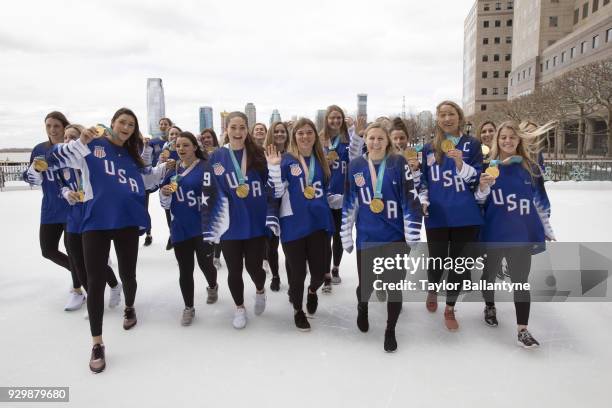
377,205
174,186
309,192
332,156
242,190
447,146
40,164
485,150
492,171
100,130
81,194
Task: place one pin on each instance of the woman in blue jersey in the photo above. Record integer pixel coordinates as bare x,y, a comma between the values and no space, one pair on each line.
169,153
517,218
278,136
209,143
182,194
383,204
113,181
72,191
301,178
236,215
335,140
450,167
54,209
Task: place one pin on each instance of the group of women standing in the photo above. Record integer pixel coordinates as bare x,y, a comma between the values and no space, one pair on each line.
298,187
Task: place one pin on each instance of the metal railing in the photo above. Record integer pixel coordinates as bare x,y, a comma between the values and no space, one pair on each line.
578,170
12,172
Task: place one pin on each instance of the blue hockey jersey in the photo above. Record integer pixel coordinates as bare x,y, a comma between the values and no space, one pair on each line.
401,217
450,193
71,179
338,170
157,144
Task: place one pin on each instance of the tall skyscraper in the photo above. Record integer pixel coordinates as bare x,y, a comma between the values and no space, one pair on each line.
362,106
223,118
251,113
487,54
321,119
275,117
206,117
156,105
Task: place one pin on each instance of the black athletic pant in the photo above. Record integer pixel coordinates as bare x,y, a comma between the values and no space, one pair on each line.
519,265
147,194
252,251
309,249
183,251
450,242
367,278
217,250
49,236
272,254
334,249
75,252
96,248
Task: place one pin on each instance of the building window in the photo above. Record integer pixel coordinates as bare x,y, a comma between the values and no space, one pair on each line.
555,61
485,58
485,41
585,10
541,67
497,6
609,35
553,21
572,52
547,64
563,54
483,107
524,74
506,74
511,81
530,72
551,42
508,57
495,74
576,16
496,57
583,47
486,24
509,23
506,91
495,91
484,74
486,7
497,23
508,40
510,5
483,91
497,40
606,2
595,5
595,41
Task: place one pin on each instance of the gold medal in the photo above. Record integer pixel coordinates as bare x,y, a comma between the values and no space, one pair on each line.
447,146
81,194
377,205
485,150
210,149
332,156
410,154
100,130
242,190
492,171
309,192
174,186
40,165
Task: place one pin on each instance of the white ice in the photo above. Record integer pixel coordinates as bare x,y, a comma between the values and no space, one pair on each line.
161,364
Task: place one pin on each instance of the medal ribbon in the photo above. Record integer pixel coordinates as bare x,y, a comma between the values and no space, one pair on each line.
310,171
185,172
334,146
377,179
239,170
454,139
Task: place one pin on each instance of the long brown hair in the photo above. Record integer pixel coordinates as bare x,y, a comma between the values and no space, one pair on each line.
134,144
270,136
398,124
256,158
326,134
198,152
482,125
439,133
317,147
57,116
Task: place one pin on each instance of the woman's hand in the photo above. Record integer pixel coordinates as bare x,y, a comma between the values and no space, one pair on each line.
425,207
414,164
486,182
167,190
272,155
87,135
457,156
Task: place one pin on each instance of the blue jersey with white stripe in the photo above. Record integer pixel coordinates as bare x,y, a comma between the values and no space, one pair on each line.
230,217
157,144
339,167
449,192
401,217
299,216
112,182
71,179
54,209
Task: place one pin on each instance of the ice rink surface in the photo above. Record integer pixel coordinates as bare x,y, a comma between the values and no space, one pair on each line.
270,363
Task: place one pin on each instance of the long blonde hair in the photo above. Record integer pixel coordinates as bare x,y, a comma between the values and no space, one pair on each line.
378,125
526,147
270,136
439,133
317,147
325,134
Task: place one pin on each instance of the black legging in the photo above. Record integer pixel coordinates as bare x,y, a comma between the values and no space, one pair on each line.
251,250
75,252
147,194
334,249
309,249
272,254
519,264
96,248
183,251
217,250
49,236
450,242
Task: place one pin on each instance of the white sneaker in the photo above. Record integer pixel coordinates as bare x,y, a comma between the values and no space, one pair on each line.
260,303
75,301
217,263
115,296
240,318
266,267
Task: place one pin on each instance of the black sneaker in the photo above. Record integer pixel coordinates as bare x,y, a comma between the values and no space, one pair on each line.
336,280
490,316
526,340
301,322
327,286
148,240
275,284
362,317
312,301
97,362
129,318
390,342
169,245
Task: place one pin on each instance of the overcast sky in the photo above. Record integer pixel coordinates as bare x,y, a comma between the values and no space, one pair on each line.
88,58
